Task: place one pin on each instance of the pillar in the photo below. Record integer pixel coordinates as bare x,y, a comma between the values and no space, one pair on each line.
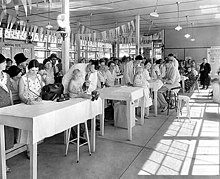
78,43
137,35
117,49
66,42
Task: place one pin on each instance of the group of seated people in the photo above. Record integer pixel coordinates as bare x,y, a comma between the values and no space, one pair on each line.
189,70
26,80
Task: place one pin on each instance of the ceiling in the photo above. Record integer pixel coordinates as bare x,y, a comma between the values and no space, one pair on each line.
103,15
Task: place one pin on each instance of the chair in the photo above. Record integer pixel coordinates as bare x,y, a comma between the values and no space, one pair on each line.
78,140
173,91
181,98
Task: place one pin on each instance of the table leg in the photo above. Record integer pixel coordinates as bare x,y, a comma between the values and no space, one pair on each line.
183,85
129,119
2,152
66,136
102,118
142,110
147,111
155,103
93,131
33,158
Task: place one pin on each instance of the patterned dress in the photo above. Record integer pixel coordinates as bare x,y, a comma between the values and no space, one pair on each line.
5,101
32,89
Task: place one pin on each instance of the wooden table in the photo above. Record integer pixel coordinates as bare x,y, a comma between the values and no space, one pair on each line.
45,119
155,85
124,93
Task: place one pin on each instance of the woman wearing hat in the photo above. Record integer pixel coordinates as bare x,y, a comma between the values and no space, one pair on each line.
5,100
21,62
15,75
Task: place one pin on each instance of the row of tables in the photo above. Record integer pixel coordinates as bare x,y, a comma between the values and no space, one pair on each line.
47,118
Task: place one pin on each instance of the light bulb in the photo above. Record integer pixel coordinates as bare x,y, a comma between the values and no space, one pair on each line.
178,28
192,39
187,35
49,26
154,14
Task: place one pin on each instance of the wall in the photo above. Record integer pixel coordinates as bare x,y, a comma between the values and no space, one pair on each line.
176,43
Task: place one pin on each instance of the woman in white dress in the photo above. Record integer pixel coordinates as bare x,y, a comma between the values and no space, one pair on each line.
111,74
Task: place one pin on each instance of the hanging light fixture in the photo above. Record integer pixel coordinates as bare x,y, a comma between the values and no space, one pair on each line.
192,38
187,35
178,27
49,26
155,14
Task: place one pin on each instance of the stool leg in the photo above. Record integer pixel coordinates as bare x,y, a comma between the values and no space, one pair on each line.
188,111
68,141
197,84
87,136
78,137
168,108
178,109
175,96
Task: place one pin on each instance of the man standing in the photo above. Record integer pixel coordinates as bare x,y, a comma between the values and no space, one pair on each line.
205,69
171,80
175,61
129,70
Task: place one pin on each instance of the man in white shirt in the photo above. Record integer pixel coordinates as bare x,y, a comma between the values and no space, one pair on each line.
171,80
93,79
175,61
130,67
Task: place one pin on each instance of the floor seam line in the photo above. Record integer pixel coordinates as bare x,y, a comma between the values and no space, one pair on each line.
143,147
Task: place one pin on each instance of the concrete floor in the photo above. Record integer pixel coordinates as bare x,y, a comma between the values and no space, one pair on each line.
162,148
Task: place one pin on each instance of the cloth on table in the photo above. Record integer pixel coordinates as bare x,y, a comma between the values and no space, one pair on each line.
155,84
120,115
140,81
216,89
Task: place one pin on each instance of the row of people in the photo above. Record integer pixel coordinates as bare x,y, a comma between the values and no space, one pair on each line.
19,83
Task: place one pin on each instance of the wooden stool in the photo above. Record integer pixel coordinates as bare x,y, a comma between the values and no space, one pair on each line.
181,98
78,139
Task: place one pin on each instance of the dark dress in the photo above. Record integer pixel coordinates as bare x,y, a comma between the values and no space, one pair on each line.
205,69
190,81
5,101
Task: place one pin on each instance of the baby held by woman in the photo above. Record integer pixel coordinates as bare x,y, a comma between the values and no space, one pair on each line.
76,86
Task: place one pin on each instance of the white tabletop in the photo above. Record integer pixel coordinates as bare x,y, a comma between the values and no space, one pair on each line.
125,93
184,77
155,84
47,118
